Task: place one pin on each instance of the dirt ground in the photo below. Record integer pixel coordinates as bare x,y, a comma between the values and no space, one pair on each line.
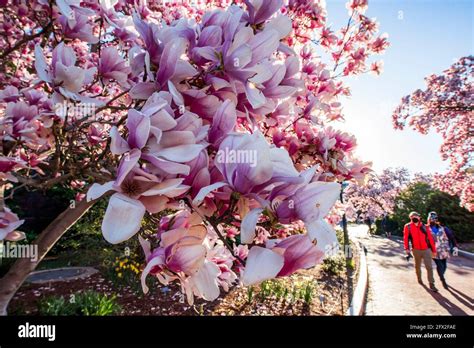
317,293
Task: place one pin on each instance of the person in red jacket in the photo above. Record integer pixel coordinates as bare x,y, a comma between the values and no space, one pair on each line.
423,246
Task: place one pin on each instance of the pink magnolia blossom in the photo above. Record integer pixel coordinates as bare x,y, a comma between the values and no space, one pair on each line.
9,222
113,67
219,115
375,197
78,26
446,106
63,73
184,254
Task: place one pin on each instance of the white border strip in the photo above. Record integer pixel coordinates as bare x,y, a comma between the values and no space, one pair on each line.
466,254
360,293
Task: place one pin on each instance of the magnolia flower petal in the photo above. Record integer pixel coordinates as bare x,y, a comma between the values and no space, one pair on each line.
65,8
154,204
308,174
40,65
177,97
97,190
167,166
128,162
177,138
122,218
280,92
163,120
262,73
282,24
207,52
12,226
164,187
146,246
261,264
299,253
169,58
282,164
198,233
181,153
316,199
205,191
255,96
264,44
247,228
262,10
223,122
138,126
177,191
15,236
153,262
205,281
118,145
142,90
187,258
210,36
184,70
324,235
70,77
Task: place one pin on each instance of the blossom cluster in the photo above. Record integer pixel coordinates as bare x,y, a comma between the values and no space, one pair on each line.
376,198
446,107
211,118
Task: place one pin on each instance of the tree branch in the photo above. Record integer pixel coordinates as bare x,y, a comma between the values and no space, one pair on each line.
227,245
20,270
26,39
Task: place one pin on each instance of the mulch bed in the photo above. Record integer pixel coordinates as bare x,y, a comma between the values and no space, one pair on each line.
331,296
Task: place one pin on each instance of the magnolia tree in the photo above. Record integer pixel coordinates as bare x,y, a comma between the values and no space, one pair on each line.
376,197
209,118
446,105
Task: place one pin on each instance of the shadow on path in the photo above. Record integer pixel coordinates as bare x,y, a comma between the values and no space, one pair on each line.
462,297
445,303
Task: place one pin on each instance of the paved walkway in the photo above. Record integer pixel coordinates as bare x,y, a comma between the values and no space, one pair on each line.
393,289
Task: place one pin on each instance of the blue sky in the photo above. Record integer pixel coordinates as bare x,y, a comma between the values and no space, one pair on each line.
426,37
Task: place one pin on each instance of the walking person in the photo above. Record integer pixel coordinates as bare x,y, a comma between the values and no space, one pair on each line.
453,244
443,241
385,226
423,246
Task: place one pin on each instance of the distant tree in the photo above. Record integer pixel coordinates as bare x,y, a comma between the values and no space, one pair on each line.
446,106
376,197
423,198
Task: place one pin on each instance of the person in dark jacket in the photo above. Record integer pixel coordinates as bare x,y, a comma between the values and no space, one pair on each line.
423,246
443,243
453,244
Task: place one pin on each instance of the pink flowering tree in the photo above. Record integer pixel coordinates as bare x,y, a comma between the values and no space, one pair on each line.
210,120
446,107
376,197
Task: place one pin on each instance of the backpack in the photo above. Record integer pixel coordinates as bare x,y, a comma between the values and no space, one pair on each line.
451,238
423,229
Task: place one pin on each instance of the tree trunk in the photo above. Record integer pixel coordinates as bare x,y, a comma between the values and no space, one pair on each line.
344,229
347,250
20,270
